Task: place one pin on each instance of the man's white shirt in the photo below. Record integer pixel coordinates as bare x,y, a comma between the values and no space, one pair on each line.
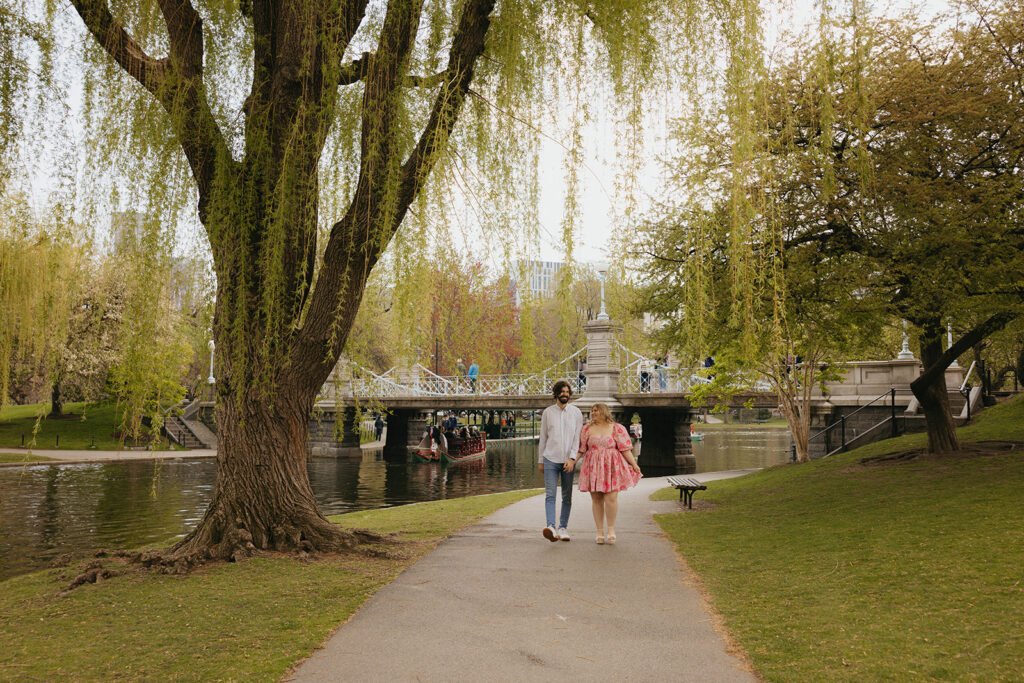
559,433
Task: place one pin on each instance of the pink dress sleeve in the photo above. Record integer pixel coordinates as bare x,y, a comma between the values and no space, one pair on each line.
584,437
621,436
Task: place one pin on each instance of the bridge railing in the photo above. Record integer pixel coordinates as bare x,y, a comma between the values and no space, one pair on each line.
376,386
659,381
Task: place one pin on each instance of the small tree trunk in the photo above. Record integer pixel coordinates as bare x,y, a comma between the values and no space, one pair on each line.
794,395
930,390
56,401
263,499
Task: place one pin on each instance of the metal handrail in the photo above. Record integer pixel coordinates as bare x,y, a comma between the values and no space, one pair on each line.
967,376
841,424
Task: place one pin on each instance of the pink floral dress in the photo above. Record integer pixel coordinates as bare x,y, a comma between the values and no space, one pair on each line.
604,467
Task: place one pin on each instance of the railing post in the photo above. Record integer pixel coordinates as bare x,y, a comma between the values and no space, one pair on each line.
892,403
842,432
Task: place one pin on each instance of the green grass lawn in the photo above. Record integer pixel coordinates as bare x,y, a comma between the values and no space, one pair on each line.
83,426
246,621
909,569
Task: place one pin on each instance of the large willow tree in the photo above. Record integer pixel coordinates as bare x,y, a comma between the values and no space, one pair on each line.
308,132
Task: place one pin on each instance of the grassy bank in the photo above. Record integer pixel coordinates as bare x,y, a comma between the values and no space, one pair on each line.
82,426
867,566
245,621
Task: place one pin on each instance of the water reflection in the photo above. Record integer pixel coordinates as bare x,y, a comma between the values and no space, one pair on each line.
47,511
738,448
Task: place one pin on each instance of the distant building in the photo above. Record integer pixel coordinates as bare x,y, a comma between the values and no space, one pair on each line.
539,278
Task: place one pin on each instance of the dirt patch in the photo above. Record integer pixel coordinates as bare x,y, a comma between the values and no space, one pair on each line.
980,449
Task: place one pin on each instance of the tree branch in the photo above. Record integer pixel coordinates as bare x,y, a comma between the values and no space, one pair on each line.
182,96
108,32
990,326
426,81
185,27
467,46
353,246
355,71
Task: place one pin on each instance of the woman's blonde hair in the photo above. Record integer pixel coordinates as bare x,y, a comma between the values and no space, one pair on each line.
600,409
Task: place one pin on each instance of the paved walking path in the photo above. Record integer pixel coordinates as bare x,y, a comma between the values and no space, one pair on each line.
65,457
69,457
497,602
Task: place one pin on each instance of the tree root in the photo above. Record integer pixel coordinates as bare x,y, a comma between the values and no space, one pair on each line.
235,544
94,573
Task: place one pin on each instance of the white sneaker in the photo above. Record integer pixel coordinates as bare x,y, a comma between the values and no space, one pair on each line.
563,534
549,533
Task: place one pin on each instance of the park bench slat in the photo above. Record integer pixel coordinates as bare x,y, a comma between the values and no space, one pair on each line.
686,486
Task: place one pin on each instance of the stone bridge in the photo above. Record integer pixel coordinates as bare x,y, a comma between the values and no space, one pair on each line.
411,396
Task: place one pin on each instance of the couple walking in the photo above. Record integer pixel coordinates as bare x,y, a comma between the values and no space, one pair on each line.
602,450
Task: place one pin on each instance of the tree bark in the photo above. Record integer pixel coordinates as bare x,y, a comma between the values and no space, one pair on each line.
930,387
930,390
793,385
263,500
56,401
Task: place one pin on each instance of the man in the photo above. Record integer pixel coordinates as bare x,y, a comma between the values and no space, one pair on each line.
472,373
560,427
378,427
643,369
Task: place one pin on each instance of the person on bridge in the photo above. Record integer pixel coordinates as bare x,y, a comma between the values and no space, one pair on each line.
560,426
607,467
474,370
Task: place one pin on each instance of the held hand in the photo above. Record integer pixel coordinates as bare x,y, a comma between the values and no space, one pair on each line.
569,465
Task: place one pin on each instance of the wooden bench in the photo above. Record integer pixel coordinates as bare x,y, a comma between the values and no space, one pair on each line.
686,486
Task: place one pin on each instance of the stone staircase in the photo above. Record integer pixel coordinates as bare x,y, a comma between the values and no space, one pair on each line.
189,433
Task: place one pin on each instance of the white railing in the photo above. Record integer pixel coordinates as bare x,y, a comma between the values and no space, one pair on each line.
660,381
375,386
425,382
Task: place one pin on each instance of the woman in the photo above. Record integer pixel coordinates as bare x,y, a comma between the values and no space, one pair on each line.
608,466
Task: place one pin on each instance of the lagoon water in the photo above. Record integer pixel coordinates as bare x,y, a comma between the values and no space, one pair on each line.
47,511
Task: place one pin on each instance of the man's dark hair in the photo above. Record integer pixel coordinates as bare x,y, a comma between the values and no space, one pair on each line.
559,385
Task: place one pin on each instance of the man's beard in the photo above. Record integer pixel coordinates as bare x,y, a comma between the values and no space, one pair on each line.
563,399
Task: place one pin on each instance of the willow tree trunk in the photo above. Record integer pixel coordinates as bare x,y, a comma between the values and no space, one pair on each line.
263,499
930,390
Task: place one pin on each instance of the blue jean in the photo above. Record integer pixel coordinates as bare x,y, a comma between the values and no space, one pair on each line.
553,472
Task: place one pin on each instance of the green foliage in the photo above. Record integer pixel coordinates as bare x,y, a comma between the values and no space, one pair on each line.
40,268
249,620
154,350
870,175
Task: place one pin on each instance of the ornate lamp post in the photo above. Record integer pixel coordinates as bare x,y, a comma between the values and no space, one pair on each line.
949,341
602,271
211,380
